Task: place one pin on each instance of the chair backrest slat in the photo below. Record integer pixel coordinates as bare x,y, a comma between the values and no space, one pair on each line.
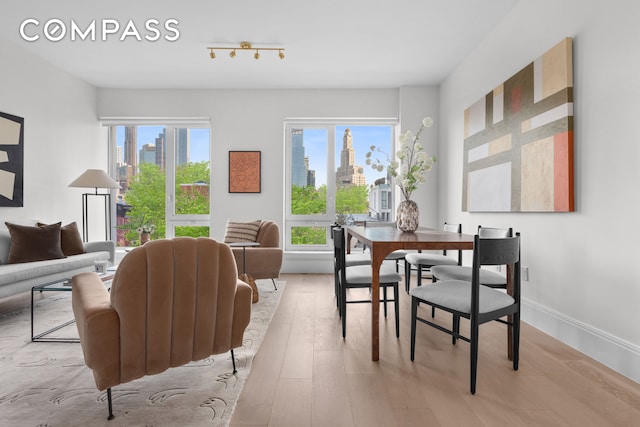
497,251
454,228
494,233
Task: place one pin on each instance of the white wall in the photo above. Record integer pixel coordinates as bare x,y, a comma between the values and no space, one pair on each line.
62,137
584,284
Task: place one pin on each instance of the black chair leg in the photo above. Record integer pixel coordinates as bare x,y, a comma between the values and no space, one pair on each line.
233,360
516,340
274,283
456,327
336,285
110,404
407,275
343,310
474,355
384,300
396,306
414,313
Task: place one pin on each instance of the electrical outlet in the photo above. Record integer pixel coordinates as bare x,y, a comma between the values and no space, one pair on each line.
525,274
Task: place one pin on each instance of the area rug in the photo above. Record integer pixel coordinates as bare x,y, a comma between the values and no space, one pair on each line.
48,384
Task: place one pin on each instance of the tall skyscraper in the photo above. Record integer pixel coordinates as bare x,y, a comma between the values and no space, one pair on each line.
148,153
119,155
348,172
183,144
131,147
298,167
161,147
311,178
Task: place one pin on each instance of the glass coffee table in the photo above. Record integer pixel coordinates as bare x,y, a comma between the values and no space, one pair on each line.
62,285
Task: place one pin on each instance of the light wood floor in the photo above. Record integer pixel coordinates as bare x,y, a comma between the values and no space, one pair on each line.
305,374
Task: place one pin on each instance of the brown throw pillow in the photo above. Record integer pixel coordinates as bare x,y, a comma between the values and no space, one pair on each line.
34,243
241,231
70,239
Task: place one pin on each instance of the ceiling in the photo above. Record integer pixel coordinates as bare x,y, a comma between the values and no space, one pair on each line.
328,43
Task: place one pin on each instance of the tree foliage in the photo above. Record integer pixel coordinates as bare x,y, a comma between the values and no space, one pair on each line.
313,201
352,199
146,196
308,235
308,200
189,199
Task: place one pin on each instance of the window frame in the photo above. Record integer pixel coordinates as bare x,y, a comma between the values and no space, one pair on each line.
327,219
172,219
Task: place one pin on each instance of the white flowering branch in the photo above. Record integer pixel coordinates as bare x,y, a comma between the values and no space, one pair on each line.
413,161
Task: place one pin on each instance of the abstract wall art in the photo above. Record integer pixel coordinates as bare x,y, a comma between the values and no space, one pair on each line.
244,171
518,140
11,160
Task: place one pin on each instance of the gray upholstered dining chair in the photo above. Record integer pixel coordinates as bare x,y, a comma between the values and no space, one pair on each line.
480,304
350,260
459,272
364,258
489,278
426,260
359,276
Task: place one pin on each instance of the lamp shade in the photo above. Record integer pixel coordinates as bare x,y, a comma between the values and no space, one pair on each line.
94,178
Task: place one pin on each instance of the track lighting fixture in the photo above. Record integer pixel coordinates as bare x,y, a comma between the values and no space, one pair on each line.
245,46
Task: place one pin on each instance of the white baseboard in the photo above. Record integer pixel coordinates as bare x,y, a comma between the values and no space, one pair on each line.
617,354
307,262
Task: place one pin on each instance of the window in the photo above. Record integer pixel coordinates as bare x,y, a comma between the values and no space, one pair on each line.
164,175
327,176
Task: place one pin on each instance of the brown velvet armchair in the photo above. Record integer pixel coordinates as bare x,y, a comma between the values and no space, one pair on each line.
264,261
171,302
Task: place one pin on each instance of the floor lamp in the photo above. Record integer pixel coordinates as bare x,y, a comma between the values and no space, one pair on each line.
95,178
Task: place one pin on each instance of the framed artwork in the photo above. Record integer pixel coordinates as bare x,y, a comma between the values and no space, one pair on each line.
518,140
11,160
244,171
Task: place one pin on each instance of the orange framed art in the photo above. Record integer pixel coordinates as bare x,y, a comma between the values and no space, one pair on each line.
244,171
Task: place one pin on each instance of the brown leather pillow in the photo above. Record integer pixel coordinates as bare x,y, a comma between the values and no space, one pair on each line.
34,243
70,239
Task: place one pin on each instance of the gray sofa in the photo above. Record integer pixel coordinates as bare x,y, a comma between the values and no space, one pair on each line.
17,278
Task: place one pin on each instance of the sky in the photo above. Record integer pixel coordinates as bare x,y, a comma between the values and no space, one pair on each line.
315,144
364,137
199,150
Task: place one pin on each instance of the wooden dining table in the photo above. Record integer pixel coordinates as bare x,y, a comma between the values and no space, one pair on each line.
381,241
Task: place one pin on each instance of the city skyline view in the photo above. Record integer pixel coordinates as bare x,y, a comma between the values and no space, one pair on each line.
198,138
314,142
364,137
